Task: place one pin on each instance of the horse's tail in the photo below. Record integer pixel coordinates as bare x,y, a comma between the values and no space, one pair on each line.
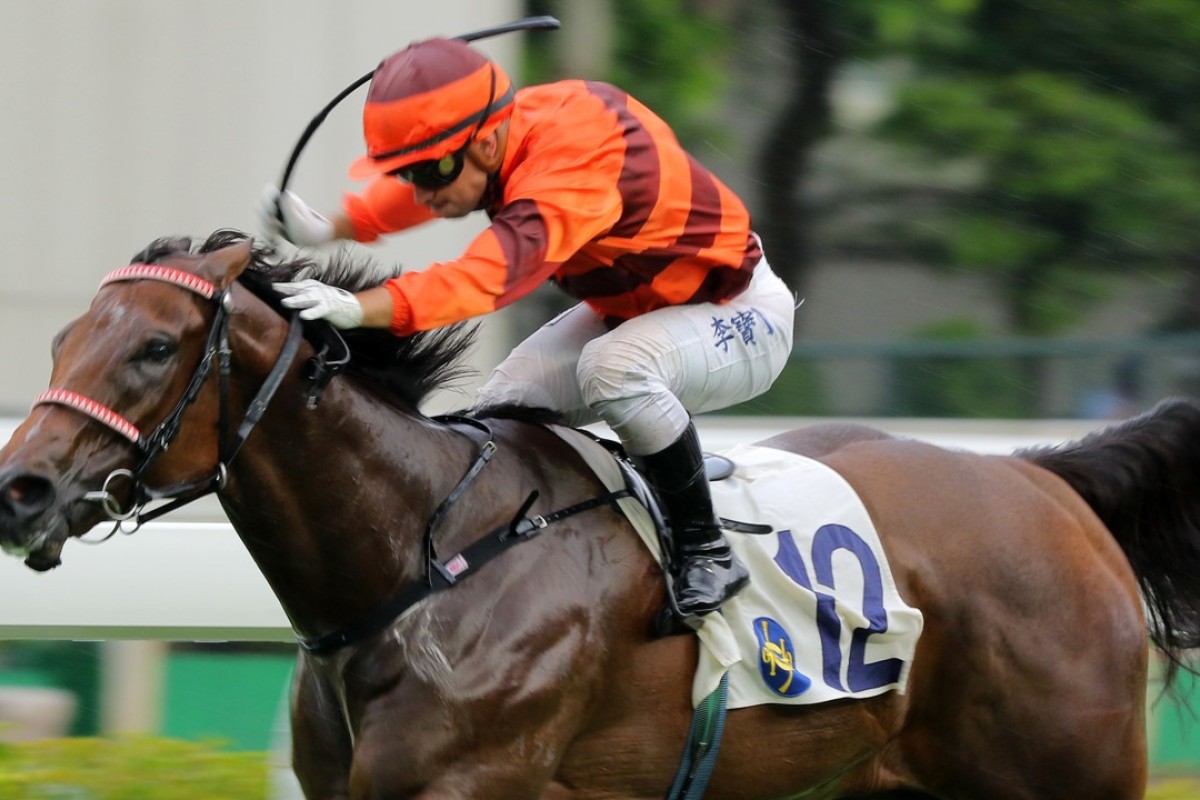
1142,478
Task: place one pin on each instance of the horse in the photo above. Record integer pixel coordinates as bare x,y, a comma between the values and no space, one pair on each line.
1045,577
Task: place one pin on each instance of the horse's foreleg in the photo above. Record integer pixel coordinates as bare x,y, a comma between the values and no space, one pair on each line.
321,747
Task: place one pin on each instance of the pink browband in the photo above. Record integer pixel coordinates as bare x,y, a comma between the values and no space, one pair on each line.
97,411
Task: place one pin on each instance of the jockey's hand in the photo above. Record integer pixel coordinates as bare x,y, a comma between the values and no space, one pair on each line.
288,216
317,300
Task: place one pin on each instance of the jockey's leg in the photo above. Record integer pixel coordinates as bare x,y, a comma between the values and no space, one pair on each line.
708,571
643,378
540,371
646,375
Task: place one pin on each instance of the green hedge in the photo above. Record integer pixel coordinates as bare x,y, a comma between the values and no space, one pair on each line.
139,768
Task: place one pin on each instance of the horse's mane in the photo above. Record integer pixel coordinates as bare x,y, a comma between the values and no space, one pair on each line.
403,370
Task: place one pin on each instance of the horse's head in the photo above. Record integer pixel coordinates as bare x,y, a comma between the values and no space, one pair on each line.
124,378
149,385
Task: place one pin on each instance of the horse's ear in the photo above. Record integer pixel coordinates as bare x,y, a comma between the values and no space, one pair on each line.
222,267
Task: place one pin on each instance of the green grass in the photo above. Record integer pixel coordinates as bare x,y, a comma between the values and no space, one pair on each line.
151,768
1174,789
141,768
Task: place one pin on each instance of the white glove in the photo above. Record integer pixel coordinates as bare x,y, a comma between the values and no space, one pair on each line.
300,225
321,301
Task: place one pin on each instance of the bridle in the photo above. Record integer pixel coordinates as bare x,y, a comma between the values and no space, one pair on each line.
151,446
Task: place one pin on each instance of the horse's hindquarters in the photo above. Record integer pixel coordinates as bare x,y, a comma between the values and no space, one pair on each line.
1029,679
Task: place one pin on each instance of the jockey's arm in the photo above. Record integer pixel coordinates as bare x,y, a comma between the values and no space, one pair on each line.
343,228
377,307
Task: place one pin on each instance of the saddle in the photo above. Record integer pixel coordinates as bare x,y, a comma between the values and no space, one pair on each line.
718,468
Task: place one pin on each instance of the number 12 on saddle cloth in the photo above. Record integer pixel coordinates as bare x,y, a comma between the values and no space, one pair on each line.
821,619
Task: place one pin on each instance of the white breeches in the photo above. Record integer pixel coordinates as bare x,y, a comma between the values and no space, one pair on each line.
647,375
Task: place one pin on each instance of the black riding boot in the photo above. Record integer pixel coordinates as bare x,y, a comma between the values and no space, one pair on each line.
709,572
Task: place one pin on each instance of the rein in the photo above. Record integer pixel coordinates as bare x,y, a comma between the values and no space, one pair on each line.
150,447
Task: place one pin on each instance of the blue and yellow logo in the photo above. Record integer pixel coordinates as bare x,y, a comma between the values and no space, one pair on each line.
777,660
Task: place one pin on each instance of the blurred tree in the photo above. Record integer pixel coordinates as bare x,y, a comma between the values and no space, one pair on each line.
1083,162
1059,144
817,39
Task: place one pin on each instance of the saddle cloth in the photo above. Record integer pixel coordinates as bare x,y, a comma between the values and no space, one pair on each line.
821,619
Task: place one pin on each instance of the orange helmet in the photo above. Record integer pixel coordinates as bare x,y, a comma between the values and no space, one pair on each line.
427,101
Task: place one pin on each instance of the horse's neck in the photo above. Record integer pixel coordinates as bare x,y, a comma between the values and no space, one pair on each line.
332,502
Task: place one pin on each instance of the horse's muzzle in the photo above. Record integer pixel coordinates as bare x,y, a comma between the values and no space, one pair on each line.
24,500
23,496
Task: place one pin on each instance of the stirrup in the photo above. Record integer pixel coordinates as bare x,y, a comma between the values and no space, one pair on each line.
673,618
722,580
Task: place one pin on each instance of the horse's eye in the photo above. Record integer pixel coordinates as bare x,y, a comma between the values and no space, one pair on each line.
157,351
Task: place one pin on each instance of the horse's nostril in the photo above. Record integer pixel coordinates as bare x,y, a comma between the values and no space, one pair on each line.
25,494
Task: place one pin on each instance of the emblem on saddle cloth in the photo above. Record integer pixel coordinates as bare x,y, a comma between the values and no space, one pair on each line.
821,619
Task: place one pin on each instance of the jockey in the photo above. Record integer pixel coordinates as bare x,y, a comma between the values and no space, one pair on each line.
587,188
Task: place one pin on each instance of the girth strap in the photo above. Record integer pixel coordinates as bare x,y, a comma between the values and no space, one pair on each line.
449,572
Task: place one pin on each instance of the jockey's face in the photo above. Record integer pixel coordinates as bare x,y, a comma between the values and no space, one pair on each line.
459,198
463,195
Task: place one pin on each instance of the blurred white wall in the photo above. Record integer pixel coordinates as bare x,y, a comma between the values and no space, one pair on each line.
125,120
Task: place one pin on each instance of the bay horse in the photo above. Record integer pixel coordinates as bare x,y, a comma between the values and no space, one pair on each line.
1043,577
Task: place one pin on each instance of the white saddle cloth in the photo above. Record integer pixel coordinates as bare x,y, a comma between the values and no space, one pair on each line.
821,619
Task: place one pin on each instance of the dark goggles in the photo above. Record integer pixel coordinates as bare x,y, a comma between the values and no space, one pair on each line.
436,173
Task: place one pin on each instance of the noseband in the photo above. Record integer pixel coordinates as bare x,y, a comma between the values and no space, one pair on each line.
151,446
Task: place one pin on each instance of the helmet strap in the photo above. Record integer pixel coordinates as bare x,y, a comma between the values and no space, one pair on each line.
487,109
